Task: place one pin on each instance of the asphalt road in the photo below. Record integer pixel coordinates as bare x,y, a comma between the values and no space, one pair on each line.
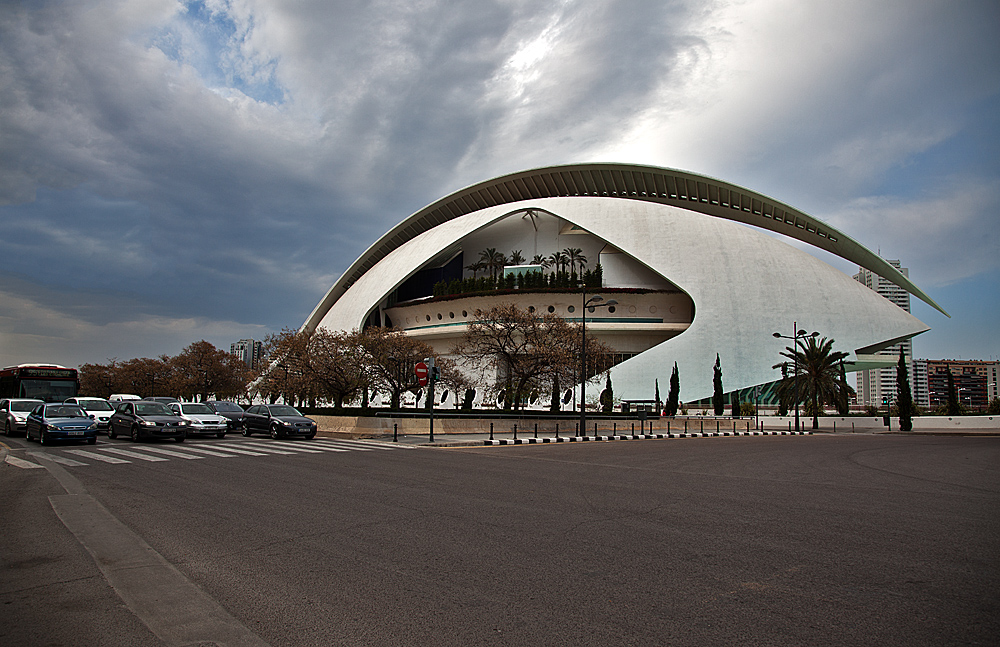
813,540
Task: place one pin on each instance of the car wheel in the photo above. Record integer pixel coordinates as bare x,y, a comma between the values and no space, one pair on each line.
6,428
222,435
92,441
135,434
41,437
111,432
179,439
27,434
310,436
275,432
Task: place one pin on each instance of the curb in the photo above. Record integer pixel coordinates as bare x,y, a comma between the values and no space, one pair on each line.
578,439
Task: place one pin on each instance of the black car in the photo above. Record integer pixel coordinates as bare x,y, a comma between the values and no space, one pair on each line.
50,422
279,420
231,411
147,419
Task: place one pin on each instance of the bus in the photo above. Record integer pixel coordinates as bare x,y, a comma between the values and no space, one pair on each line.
49,382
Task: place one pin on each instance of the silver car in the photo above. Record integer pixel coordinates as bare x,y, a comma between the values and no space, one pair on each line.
98,409
15,412
201,418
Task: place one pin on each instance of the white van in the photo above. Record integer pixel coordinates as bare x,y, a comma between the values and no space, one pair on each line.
121,397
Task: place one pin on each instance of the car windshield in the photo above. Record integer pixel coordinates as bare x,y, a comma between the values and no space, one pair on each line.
22,405
197,408
153,409
284,411
96,405
228,406
64,411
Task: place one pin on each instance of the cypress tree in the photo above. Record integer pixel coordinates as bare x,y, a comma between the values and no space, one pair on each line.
555,405
904,398
718,400
673,396
656,384
608,395
953,408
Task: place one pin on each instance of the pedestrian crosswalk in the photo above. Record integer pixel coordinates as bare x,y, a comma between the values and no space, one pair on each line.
121,454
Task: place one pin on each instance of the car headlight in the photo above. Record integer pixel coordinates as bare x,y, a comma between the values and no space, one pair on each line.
148,423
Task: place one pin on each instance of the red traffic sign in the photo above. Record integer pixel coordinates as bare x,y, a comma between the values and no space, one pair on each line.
421,370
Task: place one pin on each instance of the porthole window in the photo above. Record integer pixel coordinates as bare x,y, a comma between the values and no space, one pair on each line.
652,308
631,309
465,313
440,317
571,309
531,309
611,309
552,308
428,317
451,315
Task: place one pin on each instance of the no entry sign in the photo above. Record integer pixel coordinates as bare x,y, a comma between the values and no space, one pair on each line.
421,370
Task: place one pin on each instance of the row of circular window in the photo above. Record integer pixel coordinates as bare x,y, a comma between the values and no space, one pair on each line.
551,309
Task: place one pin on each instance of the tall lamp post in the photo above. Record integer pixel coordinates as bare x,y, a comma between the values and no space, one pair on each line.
593,302
796,336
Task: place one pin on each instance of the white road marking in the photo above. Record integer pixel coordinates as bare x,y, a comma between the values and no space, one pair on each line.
142,457
289,446
96,456
170,452
23,464
342,445
63,460
208,452
267,450
227,448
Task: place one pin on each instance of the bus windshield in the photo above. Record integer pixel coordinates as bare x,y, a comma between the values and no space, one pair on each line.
49,390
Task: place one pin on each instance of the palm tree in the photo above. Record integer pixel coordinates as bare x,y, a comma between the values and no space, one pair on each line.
574,257
819,380
558,259
516,258
538,259
476,267
493,260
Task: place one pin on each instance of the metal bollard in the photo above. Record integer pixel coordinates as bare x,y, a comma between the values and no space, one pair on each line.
491,431
536,430
395,432
557,430
595,430
515,431
716,426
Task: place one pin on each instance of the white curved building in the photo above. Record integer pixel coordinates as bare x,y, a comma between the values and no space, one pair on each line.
691,279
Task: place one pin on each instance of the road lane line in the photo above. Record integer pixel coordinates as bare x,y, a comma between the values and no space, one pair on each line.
208,452
267,450
97,457
227,448
62,460
142,457
285,446
340,445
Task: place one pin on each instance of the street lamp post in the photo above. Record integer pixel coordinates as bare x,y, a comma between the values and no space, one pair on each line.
796,336
593,302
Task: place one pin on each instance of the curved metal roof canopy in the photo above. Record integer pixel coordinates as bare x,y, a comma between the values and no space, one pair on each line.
629,182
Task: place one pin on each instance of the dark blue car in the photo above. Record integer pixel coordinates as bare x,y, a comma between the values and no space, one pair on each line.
49,422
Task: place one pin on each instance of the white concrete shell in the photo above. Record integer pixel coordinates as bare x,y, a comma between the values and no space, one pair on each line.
745,285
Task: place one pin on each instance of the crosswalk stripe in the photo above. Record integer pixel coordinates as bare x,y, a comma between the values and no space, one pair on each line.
226,448
97,457
170,452
297,447
208,452
142,457
355,447
23,464
289,446
267,450
63,460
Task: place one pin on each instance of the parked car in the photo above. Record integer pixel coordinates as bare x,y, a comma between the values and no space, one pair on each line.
279,420
98,409
122,397
60,422
162,398
15,411
201,418
232,412
147,419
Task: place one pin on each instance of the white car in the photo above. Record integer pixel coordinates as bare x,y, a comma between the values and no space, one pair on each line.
201,417
123,397
15,412
98,409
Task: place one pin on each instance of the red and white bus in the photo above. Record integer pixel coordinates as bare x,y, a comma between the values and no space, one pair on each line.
49,382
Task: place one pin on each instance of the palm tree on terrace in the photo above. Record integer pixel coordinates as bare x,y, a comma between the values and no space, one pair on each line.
558,259
574,257
819,378
516,258
539,259
476,267
493,260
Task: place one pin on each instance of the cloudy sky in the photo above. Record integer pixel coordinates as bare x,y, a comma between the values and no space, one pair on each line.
176,171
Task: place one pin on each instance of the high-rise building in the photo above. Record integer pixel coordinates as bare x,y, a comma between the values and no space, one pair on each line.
248,351
970,377
877,386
